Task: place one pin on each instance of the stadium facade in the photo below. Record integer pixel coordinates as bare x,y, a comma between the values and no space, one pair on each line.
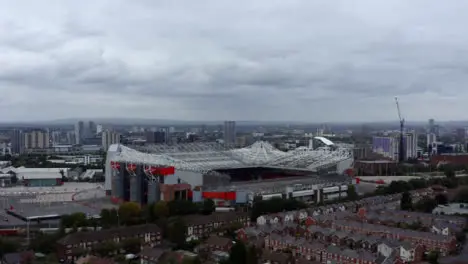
165,172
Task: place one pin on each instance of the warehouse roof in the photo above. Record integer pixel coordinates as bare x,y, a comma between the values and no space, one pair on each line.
38,175
40,170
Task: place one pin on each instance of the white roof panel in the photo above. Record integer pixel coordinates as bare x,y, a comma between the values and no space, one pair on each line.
203,157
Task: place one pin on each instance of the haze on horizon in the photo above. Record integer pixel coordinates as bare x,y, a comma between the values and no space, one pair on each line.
308,60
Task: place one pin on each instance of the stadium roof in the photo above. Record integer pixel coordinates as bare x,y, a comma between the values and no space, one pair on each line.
204,157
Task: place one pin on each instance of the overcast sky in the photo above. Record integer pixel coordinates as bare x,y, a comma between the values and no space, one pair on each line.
266,60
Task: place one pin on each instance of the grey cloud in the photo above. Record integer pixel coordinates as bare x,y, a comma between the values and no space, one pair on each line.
288,60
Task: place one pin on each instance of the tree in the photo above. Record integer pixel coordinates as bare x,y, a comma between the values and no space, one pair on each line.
7,246
449,172
461,237
351,193
62,173
129,213
182,207
441,199
425,205
238,254
176,232
406,202
462,196
208,206
252,255
160,209
274,205
131,245
74,220
45,243
433,257
109,218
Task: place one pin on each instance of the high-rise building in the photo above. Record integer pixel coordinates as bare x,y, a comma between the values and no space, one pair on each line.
92,128
109,138
411,145
229,133
390,146
433,128
156,137
36,139
386,146
71,137
432,143
79,132
17,141
460,134
98,129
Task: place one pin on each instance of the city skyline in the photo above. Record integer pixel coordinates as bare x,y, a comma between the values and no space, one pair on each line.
306,61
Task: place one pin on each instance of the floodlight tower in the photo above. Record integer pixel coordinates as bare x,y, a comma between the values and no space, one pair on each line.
401,154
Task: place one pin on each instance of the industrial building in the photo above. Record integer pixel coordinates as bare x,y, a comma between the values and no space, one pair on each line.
204,170
36,177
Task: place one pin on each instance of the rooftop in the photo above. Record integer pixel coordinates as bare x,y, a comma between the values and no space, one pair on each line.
203,157
51,210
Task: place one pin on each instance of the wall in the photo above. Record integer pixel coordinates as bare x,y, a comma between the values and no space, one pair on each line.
111,154
42,182
192,178
344,164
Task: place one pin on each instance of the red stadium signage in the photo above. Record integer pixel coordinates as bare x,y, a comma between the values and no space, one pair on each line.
115,165
131,168
159,171
227,196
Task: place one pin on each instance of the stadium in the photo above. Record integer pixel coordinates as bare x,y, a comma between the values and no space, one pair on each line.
151,173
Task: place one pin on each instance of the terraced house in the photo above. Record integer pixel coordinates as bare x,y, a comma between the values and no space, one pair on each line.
72,245
430,241
199,226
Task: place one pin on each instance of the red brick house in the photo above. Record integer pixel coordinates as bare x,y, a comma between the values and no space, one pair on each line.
73,245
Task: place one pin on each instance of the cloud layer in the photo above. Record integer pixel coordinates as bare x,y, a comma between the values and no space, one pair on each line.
314,61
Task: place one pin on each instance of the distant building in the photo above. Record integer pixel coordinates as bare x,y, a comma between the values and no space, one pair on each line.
98,129
389,146
109,138
432,143
17,141
79,132
411,145
385,146
229,133
36,139
92,128
156,137
71,137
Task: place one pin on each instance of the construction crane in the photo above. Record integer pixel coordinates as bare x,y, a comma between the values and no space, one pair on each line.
401,150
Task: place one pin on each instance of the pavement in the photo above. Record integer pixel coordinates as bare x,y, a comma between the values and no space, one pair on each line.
389,179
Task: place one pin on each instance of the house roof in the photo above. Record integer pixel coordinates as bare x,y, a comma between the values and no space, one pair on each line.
218,241
279,257
214,217
153,253
404,232
108,234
